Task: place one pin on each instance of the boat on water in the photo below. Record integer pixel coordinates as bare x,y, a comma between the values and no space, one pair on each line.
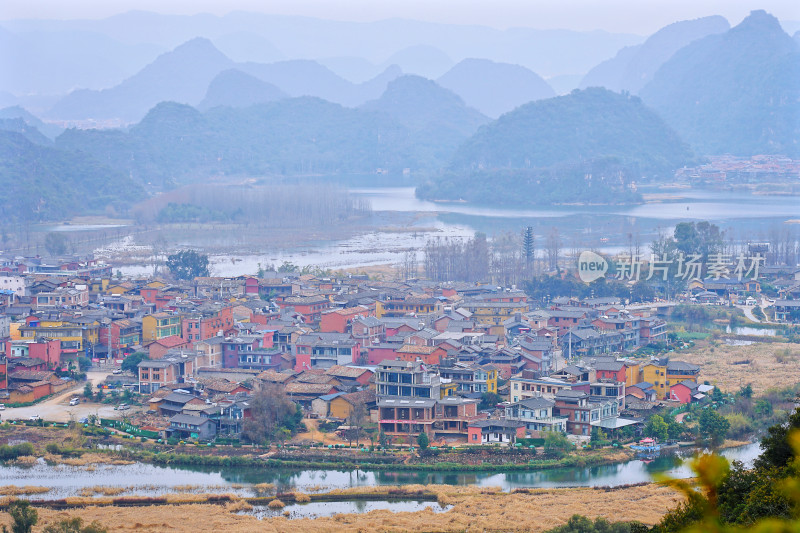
647,445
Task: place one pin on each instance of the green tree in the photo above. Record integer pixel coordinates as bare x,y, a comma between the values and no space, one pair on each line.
582,524
746,391
130,363
489,400
713,425
74,525
23,517
657,428
87,391
423,441
188,264
56,243
776,450
762,408
556,442
287,266
716,395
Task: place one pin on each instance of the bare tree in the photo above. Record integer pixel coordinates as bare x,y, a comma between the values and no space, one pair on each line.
553,248
270,409
356,420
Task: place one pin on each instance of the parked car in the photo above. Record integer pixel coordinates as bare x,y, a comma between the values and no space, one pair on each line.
122,407
75,401
116,371
33,418
2,407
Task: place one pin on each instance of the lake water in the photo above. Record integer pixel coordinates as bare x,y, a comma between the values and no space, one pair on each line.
609,229
151,480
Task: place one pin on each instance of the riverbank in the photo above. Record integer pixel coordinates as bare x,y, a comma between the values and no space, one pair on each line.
473,509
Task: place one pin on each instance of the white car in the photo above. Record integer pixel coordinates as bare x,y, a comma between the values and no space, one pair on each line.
2,407
33,418
75,401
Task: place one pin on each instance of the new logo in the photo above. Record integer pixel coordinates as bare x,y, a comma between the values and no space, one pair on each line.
591,266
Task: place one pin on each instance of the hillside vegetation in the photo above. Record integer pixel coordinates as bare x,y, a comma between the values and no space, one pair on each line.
41,183
737,92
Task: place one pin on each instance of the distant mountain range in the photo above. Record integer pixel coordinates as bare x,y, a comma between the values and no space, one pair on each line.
494,88
55,56
633,66
234,88
182,75
415,124
736,92
195,114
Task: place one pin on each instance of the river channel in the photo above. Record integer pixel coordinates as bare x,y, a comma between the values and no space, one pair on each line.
150,480
611,229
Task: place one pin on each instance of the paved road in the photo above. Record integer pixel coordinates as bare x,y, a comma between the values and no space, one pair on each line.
57,408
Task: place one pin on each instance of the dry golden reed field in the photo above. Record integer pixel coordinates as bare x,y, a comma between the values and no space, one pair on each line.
763,365
473,509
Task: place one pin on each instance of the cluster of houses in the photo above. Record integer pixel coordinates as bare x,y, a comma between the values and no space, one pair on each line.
419,356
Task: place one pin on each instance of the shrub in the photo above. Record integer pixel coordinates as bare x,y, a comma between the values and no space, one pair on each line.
276,504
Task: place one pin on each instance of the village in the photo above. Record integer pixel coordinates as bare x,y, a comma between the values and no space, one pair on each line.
362,359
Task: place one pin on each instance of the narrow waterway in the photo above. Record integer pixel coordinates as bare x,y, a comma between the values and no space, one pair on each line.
150,480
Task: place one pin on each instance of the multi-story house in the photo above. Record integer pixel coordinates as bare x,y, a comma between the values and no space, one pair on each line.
341,320
323,350
574,406
537,415
410,402
120,335
525,385
608,389
160,325
310,307
663,374
202,325
411,305
368,331
251,351
169,370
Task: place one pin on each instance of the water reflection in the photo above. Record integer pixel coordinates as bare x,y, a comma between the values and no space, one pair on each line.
148,480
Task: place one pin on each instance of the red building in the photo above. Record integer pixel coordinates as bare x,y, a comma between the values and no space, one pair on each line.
430,355
199,327
614,371
48,351
157,349
340,320
381,352
311,307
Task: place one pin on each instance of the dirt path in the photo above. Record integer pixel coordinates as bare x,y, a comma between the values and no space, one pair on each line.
57,408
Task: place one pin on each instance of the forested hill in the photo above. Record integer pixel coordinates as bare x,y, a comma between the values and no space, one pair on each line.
738,92
584,125
590,146
42,183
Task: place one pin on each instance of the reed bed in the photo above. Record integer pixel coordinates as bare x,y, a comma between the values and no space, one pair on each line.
13,490
764,366
474,509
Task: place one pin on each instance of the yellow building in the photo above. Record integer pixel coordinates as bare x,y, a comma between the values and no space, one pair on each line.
160,325
663,374
448,389
412,305
491,378
633,374
74,336
495,313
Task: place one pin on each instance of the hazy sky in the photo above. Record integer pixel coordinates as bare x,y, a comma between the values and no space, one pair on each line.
634,16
